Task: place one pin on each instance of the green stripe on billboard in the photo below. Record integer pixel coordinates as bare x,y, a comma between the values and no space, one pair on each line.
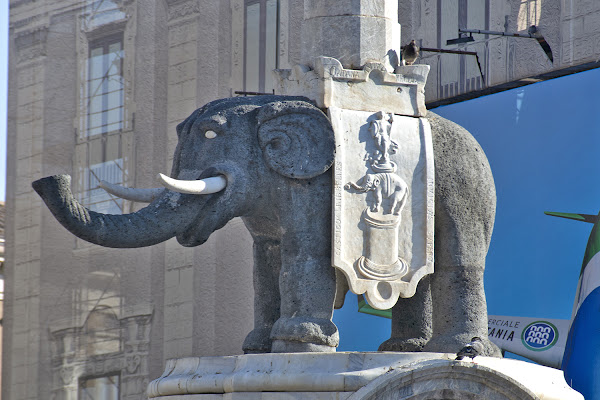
365,308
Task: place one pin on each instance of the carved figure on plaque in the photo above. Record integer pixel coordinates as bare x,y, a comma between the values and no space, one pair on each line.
380,129
380,260
384,185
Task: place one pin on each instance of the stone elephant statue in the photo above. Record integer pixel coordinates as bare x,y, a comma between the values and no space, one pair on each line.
270,157
383,185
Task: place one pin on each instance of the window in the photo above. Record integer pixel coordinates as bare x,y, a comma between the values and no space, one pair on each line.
261,41
105,86
104,124
102,388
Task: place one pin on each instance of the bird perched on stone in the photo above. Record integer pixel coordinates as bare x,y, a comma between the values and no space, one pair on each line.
471,350
410,53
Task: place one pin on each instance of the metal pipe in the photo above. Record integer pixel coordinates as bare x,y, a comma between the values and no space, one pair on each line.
483,32
432,50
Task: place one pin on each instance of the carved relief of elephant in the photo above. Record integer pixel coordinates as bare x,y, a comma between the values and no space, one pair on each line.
267,159
384,185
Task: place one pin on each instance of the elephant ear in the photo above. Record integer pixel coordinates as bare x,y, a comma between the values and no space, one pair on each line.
296,138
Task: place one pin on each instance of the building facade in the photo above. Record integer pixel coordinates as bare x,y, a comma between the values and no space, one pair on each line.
96,89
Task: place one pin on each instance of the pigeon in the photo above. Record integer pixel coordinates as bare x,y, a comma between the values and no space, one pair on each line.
410,53
471,350
534,32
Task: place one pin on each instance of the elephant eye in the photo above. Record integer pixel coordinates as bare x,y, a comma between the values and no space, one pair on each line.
210,134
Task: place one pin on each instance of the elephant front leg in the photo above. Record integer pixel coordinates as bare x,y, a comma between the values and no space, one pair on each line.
378,199
307,280
307,295
267,263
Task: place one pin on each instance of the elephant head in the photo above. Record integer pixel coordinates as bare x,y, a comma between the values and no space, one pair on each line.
365,184
244,146
265,159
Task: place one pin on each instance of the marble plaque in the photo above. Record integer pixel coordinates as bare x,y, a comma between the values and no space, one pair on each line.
383,205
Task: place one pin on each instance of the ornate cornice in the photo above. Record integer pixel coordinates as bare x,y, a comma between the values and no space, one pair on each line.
179,9
31,44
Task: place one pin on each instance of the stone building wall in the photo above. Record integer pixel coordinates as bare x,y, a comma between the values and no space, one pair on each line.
571,28
80,316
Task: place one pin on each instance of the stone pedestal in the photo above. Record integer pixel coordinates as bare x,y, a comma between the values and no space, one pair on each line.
356,376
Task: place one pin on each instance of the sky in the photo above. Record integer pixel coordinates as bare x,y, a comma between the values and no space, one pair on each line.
542,142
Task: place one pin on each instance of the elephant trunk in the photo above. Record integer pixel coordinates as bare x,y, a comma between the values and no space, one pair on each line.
356,186
161,220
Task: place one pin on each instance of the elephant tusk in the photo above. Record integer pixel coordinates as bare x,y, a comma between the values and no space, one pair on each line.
139,195
202,186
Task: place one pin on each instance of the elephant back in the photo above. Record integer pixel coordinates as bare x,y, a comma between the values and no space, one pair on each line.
465,194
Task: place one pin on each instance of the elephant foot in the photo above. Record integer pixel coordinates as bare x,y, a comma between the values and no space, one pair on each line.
453,343
288,346
410,345
257,341
303,334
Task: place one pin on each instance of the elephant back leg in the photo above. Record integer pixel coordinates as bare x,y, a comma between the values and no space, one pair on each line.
411,321
465,207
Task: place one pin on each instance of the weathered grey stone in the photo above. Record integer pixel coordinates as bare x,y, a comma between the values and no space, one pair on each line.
354,32
329,8
464,218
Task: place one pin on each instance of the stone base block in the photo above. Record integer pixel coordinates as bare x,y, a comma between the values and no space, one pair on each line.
354,376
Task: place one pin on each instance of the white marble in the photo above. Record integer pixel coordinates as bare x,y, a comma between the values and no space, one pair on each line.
354,376
376,86
383,203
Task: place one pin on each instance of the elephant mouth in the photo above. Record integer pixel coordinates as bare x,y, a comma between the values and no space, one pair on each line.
215,194
217,208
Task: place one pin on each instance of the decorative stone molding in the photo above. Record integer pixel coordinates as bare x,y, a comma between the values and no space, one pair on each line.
377,86
359,376
31,44
71,361
22,23
18,3
183,9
